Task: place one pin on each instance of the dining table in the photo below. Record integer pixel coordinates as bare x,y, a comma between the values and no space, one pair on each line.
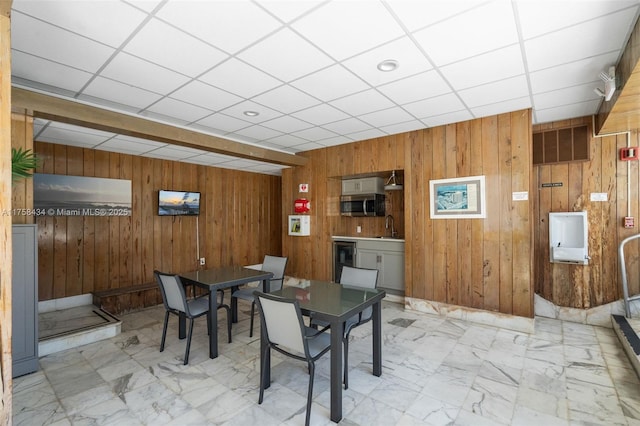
334,303
214,279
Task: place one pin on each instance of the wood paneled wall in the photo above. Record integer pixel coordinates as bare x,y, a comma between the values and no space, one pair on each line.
477,263
240,222
599,282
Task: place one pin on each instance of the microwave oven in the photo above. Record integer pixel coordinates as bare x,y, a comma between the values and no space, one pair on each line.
362,205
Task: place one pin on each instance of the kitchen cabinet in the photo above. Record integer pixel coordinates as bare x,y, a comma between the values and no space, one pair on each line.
387,256
24,300
369,185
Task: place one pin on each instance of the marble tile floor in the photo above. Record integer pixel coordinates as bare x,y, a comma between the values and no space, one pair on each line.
435,372
68,321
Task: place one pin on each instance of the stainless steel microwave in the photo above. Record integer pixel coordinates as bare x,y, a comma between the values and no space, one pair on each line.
362,205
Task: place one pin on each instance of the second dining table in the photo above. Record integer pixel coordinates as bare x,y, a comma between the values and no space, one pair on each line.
215,279
335,303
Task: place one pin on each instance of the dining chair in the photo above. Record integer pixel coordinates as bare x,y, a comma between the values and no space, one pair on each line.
176,302
274,264
284,331
353,277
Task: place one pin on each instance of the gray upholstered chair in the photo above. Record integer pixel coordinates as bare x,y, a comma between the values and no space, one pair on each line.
175,302
274,264
283,330
353,277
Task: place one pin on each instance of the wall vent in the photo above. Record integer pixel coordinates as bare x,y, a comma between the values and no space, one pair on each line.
561,145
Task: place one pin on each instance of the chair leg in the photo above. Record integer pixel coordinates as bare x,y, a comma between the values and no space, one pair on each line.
228,309
345,341
253,309
312,369
164,330
186,352
263,366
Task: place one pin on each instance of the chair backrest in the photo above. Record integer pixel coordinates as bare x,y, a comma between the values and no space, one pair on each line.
173,294
282,322
359,277
276,265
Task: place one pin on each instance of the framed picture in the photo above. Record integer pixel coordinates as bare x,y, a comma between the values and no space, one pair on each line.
458,198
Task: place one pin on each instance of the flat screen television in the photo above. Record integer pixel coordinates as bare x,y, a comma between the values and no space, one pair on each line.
178,203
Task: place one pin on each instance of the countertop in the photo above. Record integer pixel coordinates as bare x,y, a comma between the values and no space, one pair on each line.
342,237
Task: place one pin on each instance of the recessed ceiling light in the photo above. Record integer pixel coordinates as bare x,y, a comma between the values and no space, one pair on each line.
388,65
251,113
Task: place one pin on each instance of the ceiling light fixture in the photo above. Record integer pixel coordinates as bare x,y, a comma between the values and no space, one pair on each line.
388,65
251,113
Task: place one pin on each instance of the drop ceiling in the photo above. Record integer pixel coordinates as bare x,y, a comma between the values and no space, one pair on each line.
310,68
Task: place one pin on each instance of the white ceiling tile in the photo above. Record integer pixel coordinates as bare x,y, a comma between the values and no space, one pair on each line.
410,61
273,55
367,134
286,124
288,10
108,22
515,87
486,68
435,106
363,103
129,144
221,122
37,69
258,133
407,126
350,125
540,17
229,25
238,110
135,71
145,5
386,117
285,141
336,140
570,95
286,99
73,135
450,117
566,112
210,158
330,83
179,109
164,45
205,95
573,73
314,134
501,107
488,27
173,152
416,14
308,146
239,78
331,27
46,41
121,93
415,88
81,130
320,114
591,38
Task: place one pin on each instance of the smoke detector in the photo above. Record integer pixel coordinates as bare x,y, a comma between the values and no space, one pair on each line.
609,84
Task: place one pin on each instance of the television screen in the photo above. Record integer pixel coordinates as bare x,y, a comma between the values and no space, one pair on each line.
177,203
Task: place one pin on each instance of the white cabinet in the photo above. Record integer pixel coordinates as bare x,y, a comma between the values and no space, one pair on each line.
370,185
387,256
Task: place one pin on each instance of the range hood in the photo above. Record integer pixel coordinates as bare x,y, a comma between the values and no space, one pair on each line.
391,184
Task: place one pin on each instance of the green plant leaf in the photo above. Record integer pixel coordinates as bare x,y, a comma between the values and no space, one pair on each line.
23,163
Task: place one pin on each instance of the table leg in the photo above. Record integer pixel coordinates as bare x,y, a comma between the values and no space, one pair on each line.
336,370
377,339
182,326
234,306
213,324
266,286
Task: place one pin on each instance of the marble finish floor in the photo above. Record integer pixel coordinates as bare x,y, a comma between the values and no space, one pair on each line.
68,321
435,372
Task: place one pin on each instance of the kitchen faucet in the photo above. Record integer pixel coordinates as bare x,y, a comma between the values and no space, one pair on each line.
387,220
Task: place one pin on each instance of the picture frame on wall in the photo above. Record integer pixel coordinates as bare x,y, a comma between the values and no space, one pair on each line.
458,198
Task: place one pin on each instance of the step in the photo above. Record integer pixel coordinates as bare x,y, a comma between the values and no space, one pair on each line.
63,329
628,331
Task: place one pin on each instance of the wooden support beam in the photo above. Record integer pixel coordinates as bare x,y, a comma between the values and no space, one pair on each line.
81,114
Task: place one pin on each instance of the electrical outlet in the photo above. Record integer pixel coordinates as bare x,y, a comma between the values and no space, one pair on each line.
202,261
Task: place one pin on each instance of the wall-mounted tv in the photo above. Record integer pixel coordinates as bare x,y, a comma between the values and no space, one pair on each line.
178,203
